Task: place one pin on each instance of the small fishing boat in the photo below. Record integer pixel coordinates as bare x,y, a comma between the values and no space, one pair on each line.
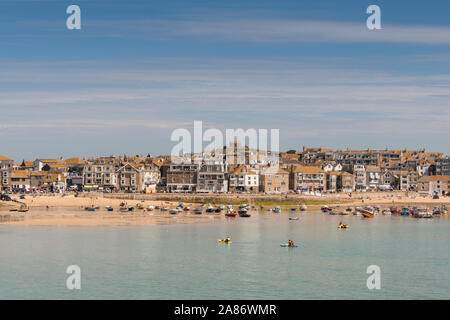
231,213
285,245
367,212
130,208
325,209
150,208
90,209
109,208
405,212
173,211
357,211
123,209
293,209
187,208
303,207
243,213
140,206
198,210
293,218
277,209
164,209
209,208
387,212
332,212
343,226
421,213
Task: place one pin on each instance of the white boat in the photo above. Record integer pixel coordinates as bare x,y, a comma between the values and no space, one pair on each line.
150,208
303,207
387,212
277,209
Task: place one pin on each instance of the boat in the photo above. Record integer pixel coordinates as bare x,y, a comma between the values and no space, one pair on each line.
285,245
109,208
186,208
444,210
231,213
367,212
343,226
303,207
395,210
130,208
325,209
224,241
140,206
90,209
293,218
357,211
348,211
243,213
422,213
332,212
150,208
123,209
405,212
277,209
293,209
209,209
23,208
387,212
173,211
164,209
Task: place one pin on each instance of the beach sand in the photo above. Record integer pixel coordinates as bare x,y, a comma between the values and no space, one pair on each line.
69,211
58,210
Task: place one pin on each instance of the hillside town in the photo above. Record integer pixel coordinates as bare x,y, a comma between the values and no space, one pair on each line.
313,171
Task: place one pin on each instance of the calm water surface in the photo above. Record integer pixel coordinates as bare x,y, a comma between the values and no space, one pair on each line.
186,262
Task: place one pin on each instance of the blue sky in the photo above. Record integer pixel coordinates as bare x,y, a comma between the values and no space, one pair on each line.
137,70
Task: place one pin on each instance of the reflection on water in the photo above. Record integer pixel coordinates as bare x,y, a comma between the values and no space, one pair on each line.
186,262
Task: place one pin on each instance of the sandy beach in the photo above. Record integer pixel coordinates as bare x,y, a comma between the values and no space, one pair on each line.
68,210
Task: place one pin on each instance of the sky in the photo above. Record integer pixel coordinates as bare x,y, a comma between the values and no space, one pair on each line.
138,70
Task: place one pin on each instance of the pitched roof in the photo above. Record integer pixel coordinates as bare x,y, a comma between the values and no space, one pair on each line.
240,169
23,174
5,158
308,170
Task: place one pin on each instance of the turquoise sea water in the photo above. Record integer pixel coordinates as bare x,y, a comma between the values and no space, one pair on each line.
186,262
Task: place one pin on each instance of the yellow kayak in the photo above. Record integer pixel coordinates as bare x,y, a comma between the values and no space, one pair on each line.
223,241
343,226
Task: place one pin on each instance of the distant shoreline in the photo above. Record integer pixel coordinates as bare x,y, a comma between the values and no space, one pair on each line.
68,210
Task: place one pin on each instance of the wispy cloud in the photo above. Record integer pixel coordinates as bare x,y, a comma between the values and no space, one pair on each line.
280,31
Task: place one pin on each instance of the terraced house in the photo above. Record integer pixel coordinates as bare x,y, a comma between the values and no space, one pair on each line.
273,179
128,178
307,178
6,167
212,177
339,181
243,179
182,177
20,180
100,174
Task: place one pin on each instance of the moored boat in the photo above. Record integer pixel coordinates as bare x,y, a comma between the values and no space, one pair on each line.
277,209
303,207
367,212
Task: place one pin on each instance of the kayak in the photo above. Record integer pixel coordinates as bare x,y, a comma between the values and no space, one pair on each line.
288,246
223,241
